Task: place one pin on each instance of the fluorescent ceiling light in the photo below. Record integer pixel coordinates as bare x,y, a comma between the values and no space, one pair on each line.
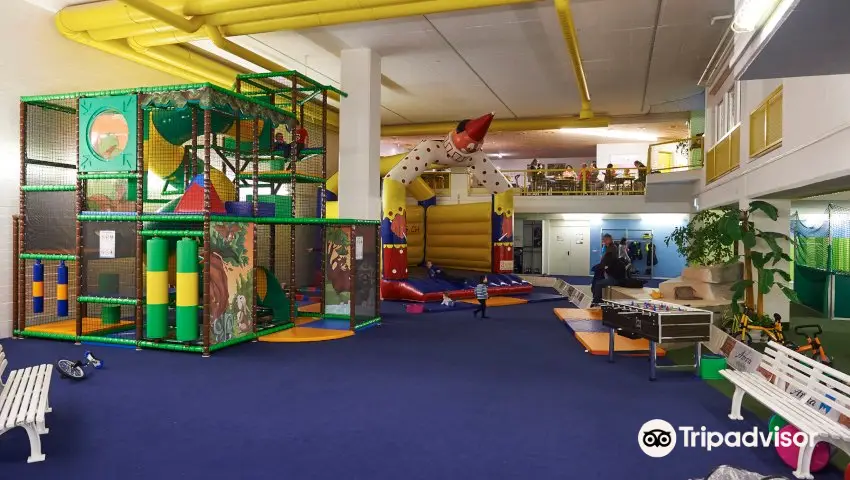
751,14
608,133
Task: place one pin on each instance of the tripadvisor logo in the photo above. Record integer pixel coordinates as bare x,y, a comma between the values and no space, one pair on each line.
657,438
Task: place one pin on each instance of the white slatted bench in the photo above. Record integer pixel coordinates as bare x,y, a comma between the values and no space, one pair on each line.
791,380
23,403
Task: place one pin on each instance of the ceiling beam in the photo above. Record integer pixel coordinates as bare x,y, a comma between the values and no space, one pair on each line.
498,125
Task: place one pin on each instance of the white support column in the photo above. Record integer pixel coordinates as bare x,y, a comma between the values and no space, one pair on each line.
775,301
360,136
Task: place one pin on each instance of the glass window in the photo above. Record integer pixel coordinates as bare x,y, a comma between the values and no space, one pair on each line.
108,134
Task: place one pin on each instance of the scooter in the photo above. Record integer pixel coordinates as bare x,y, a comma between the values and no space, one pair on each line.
76,369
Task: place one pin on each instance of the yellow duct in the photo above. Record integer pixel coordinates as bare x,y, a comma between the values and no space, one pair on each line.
181,58
389,9
163,32
121,49
565,16
178,21
498,125
108,14
91,16
364,15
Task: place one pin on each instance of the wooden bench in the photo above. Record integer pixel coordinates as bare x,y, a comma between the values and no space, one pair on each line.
800,390
23,403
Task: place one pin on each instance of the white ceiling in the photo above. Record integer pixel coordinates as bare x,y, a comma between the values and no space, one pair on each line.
813,40
557,144
640,56
513,60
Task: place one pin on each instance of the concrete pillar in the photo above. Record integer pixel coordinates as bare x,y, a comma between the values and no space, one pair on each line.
360,135
775,301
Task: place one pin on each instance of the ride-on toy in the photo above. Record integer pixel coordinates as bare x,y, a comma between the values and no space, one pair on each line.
75,369
813,346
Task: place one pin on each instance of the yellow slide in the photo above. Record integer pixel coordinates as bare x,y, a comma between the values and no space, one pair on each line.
169,158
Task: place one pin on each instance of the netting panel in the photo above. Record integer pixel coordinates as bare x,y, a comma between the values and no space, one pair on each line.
839,232
50,222
812,249
366,276
52,134
49,314
110,277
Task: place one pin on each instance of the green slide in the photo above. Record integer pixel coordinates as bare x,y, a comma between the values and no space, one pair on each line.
275,299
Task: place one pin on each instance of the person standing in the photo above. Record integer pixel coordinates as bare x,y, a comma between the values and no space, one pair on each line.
481,296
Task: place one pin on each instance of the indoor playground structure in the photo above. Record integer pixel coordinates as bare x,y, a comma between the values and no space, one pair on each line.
466,239
186,217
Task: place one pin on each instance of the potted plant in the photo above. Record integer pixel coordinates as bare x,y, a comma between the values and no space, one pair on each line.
702,243
760,275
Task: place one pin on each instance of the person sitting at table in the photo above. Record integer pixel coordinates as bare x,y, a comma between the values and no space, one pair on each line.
641,172
584,176
534,177
609,177
569,173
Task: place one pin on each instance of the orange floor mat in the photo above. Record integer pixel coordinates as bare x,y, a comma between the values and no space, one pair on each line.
311,308
579,314
596,343
69,327
306,334
497,301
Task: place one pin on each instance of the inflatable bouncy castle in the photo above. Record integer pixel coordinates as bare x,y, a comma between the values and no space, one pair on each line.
464,240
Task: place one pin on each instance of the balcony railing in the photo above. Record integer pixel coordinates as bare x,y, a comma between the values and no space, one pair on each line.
766,125
724,157
676,155
614,181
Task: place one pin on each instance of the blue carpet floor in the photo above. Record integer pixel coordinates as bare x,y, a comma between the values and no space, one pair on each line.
437,397
587,280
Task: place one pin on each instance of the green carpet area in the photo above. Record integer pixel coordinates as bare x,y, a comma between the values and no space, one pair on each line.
835,338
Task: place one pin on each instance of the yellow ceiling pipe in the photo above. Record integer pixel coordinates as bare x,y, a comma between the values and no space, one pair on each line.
161,24
107,14
91,16
427,7
267,19
196,64
565,16
210,7
122,50
498,125
188,25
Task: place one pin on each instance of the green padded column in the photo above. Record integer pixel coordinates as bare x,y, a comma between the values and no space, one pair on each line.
187,290
157,288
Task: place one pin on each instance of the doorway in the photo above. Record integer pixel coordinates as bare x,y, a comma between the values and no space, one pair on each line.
569,250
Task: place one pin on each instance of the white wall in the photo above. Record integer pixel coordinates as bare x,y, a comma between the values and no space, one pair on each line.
816,137
38,60
522,163
622,155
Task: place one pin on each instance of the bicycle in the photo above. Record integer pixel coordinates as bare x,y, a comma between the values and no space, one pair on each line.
741,331
813,345
75,369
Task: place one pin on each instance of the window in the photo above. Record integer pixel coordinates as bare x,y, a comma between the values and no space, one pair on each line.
727,113
766,125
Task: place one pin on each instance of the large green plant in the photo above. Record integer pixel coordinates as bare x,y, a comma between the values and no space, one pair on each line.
760,274
702,241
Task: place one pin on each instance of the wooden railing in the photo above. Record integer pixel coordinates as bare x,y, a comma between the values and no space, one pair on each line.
617,181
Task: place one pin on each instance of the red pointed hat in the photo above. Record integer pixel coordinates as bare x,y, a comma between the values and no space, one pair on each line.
477,128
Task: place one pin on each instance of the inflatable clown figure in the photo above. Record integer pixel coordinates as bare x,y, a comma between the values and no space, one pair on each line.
460,148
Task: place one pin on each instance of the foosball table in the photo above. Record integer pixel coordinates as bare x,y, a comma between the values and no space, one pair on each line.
657,322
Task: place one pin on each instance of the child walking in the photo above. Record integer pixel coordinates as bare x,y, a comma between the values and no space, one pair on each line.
481,295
